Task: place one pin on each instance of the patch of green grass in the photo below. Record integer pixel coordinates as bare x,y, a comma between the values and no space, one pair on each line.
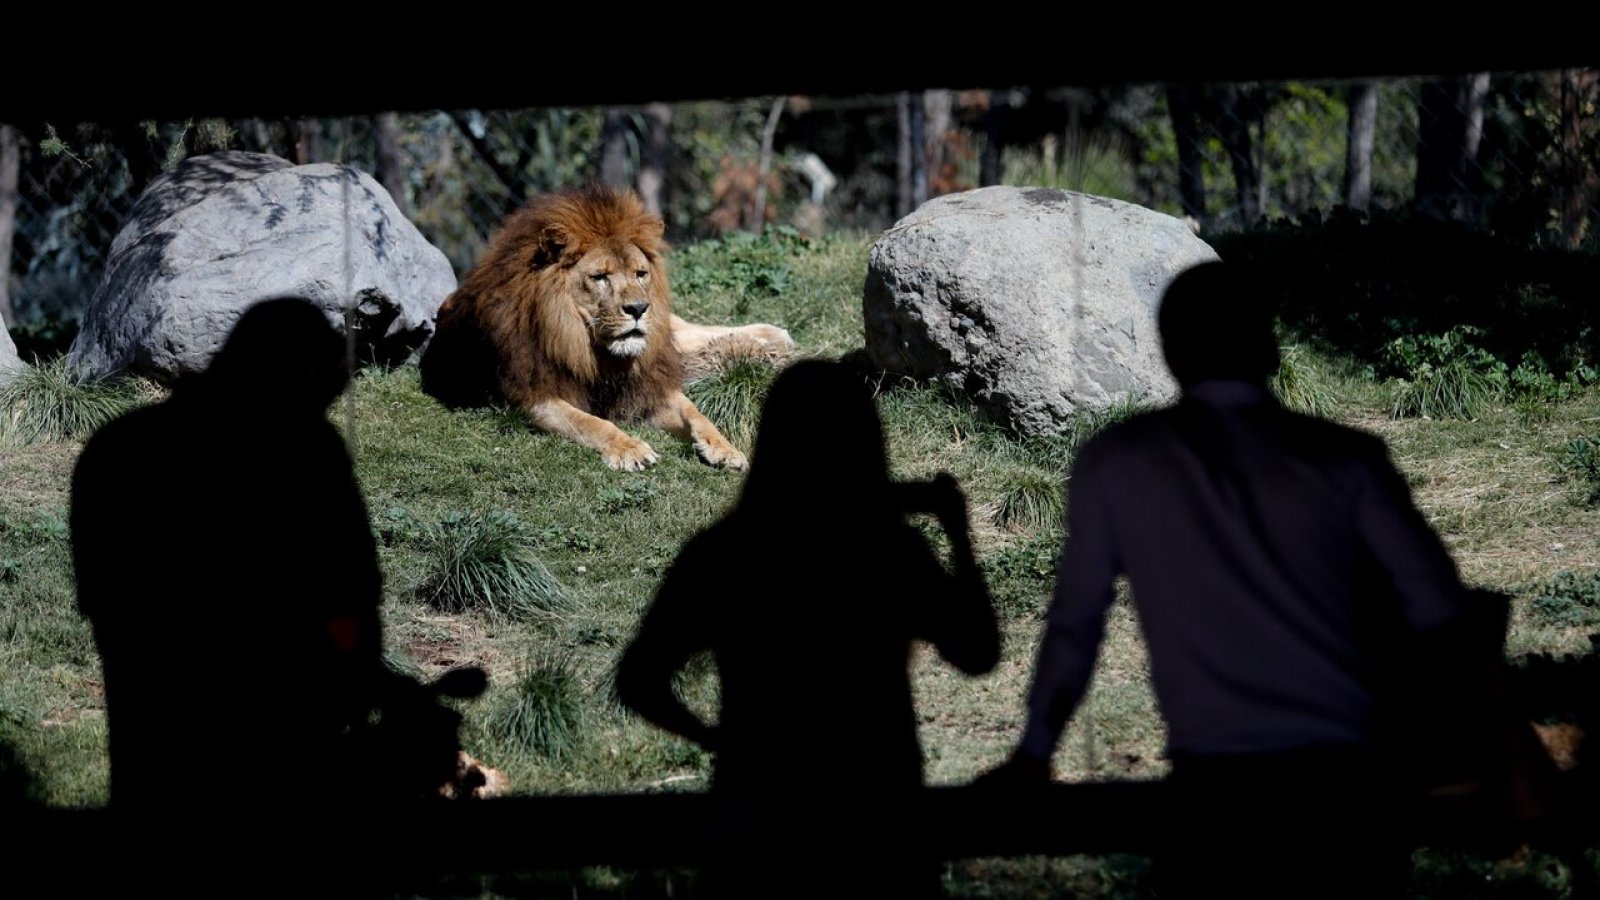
486,562
47,403
1021,576
635,493
542,712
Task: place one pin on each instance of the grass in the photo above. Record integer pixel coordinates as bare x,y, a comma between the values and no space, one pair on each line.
486,562
46,403
1030,500
542,713
1492,485
732,397
1453,390
1301,386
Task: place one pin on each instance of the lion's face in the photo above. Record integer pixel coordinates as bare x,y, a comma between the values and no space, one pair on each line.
615,290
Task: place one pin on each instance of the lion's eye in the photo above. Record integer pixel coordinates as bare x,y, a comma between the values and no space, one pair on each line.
642,274
599,276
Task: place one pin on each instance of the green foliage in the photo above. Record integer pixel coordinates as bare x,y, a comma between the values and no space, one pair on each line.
1444,375
635,493
543,714
732,397
747,266
54,145
1301,386
1579,461
1030,499
1021,576
1567,598
47,526
47,403
485,562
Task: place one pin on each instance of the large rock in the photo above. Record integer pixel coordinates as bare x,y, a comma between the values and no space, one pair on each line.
220,232
1038,303
10,362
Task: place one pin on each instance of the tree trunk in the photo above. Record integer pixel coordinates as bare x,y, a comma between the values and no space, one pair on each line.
1183,107
1574,221
1449,128
936,110
391,167
1360,133
308,146
1234,114
653,161
758,211
989,167
511,178
902,169
919,160
10,175
614,148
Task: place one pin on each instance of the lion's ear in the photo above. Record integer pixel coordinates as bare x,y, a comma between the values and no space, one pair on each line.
552,243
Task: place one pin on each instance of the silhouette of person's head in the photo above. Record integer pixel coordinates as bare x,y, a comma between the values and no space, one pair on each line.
1216,321
819,443
282,355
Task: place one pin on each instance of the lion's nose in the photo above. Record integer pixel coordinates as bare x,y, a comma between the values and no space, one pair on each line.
637,310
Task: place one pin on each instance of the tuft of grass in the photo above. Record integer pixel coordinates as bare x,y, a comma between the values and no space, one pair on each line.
1579,462
1454,390
731,397
1030,500
486,562
1055,452
1301,386
543,714
47,403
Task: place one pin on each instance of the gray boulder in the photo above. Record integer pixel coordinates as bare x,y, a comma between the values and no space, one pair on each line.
10,363
1038,303
221,232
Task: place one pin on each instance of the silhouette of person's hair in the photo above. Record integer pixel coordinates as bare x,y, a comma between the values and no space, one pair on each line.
282,351
226,563
1216,322
809,596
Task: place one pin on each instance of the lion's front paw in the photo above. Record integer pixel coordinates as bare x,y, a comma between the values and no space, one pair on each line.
721,454
629,455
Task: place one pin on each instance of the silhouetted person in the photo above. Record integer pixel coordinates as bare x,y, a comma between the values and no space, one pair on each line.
226,563
1276,561
809,595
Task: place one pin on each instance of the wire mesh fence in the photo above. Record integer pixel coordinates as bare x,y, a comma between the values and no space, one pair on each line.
1516,154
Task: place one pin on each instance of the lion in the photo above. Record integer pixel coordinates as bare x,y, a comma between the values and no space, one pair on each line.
568,317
